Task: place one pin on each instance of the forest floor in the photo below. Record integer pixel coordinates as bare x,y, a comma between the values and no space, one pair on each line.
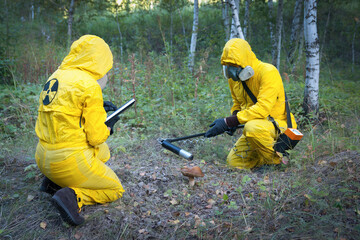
317,200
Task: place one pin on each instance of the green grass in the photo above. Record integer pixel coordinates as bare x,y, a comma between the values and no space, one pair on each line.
315,196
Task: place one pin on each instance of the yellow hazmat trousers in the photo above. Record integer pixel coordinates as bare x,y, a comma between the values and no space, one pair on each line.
71,125
255,147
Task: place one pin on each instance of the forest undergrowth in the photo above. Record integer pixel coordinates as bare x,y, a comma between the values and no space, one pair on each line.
315,196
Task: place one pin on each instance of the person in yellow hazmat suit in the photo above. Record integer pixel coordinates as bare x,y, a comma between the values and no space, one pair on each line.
255,147
71,128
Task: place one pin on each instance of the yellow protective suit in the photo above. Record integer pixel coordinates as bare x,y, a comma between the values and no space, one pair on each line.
255,147
70,125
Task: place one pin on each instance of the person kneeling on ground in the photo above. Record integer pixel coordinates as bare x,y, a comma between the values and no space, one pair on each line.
72,152
255,147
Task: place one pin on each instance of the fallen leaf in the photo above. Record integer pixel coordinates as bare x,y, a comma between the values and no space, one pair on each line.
78,235
142,231
266,180
187,214
248,229
333,164
43,225
262,195
322,162
174,222
173,201
211,201
29,198
154,176
142,173
176,214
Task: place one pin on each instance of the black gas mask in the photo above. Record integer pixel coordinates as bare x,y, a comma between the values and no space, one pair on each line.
238,73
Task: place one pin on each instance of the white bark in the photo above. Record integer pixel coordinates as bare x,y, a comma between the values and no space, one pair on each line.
194,36
233,30
236,21
311,93
32,11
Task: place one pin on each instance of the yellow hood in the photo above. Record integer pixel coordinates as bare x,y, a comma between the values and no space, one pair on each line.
91,54
238,52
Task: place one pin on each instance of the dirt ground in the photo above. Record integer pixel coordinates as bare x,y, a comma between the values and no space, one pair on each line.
316,201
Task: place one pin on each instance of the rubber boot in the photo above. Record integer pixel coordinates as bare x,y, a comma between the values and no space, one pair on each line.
66,202
48,186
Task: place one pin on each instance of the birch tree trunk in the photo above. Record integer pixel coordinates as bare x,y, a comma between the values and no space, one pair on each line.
295,31
353,45
246,18
279,23
236,21
311,93
32,11
171,30
233,31
194,36
70,22
225,17
271,26
120,35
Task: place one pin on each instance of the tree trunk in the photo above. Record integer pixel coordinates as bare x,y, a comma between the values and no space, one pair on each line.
271,26
311,93
120,35
233,30
225,17
32,11
300,49
246,19
279,23
325,31
171,31
194,36
295,31
70,22
353,45
183,28
236,21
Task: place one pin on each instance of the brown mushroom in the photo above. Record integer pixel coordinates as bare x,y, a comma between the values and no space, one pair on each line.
192,172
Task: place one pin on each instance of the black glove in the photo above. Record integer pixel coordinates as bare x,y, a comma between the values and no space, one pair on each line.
109,106
217,127
231,131
111,123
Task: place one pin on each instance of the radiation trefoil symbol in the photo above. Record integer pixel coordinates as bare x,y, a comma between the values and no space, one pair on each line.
49,91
